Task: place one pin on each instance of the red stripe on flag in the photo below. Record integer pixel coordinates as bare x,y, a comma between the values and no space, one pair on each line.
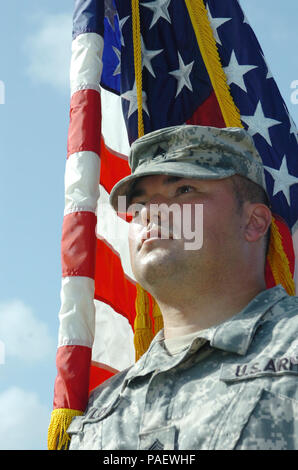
85,122
99,373
71,384
113,167
111,284
208,114
78,244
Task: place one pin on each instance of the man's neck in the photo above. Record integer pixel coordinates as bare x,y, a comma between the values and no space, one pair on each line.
185,313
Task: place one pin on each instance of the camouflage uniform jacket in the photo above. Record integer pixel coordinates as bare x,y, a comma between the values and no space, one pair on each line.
234,387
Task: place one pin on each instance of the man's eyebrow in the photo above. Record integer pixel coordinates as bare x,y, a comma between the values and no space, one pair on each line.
133,193
136,192
172,179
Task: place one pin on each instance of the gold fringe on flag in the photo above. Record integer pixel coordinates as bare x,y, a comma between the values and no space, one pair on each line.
279,262
157,316
58,439
142,325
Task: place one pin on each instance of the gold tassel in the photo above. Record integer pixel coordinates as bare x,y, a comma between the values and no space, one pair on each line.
279,262
208,48
158,320
142,325
137,54
58,439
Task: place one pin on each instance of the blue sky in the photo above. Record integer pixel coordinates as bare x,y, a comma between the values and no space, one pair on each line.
34,111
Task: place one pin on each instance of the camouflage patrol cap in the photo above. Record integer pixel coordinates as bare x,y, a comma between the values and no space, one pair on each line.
191,151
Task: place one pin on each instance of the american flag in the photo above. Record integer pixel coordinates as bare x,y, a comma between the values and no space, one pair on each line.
177,86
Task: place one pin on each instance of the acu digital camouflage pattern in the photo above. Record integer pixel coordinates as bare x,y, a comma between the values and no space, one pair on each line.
234,387
192,152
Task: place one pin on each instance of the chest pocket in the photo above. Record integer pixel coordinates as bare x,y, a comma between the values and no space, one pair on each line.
235,418
257,418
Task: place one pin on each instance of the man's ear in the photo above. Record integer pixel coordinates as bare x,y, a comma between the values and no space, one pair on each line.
257,222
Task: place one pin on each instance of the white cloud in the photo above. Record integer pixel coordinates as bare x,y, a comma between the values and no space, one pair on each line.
24,421
48,49
23,335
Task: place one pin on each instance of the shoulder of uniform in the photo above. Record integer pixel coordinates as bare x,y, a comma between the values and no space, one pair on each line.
278,329
109,386
288,304
284,312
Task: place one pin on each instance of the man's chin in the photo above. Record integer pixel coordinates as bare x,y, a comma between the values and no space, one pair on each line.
156,267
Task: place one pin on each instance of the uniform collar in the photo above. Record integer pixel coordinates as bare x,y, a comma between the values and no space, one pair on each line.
236,333
233,335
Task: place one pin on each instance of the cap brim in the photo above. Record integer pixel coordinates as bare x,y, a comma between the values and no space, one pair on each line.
183,169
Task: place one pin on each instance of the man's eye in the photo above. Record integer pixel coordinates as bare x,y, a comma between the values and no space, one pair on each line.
135,209
185,189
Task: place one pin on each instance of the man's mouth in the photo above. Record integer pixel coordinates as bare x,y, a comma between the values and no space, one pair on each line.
155,232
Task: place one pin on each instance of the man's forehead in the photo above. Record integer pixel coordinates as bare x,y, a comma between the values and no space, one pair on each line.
163,179
144,182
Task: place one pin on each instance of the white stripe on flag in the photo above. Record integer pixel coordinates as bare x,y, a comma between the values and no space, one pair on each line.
81,182
86,62
77,313
113,343
114,230
115,136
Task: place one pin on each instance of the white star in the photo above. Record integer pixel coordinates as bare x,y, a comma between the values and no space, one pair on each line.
160,10
117,70
215,24
121,24
147,56
282,179
110,13
235,72
269,74
245,20
259,124
182,75
131,96
293,128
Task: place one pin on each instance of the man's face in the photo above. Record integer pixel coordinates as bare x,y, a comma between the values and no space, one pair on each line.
153,257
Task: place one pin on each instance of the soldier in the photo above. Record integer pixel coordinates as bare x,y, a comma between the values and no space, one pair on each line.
222,373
